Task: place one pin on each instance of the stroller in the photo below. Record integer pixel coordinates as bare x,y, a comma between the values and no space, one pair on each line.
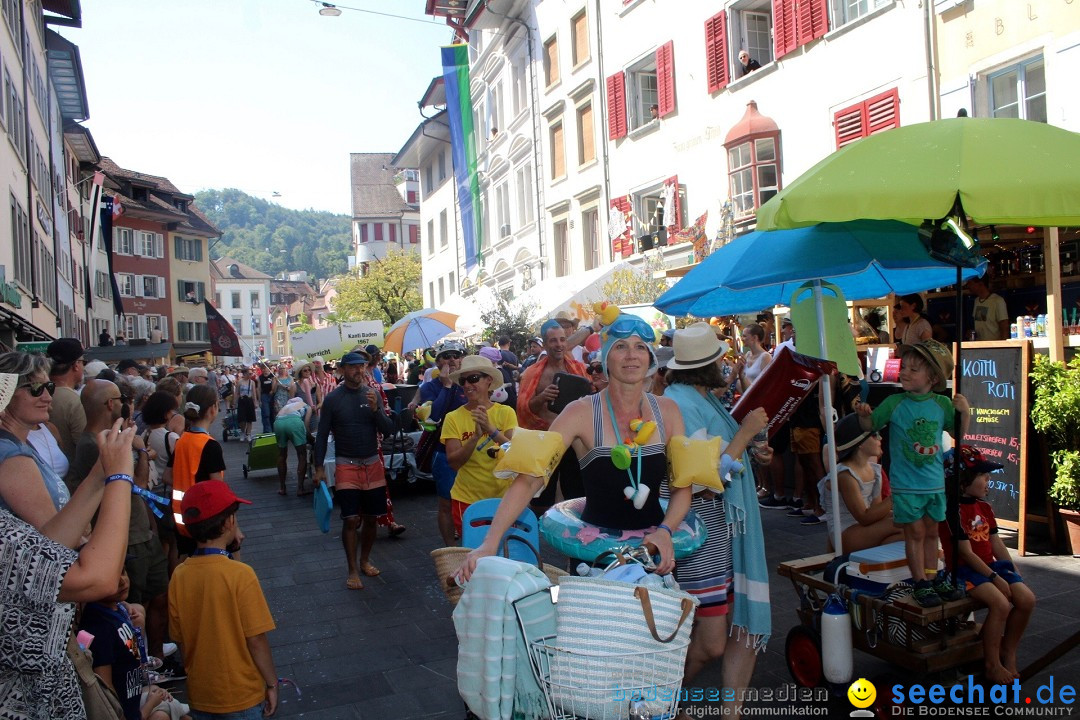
230,428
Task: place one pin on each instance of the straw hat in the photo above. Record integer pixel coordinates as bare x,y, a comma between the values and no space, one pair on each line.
937,355
8,383
475,363
696,346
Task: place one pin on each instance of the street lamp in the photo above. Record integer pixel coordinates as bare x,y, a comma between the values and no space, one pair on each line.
329,10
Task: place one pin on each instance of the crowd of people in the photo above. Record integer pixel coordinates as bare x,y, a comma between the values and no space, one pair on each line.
116,520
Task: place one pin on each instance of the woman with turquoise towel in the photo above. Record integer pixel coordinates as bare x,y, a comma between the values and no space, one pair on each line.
728,573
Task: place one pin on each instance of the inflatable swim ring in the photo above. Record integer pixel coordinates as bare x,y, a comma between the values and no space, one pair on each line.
564,530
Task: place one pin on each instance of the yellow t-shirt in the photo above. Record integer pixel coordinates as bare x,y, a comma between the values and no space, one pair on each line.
476,478
215,604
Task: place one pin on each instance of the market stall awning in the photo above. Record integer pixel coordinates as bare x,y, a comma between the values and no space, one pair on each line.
116,353
573,293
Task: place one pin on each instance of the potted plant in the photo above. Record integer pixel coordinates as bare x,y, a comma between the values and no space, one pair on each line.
1056,414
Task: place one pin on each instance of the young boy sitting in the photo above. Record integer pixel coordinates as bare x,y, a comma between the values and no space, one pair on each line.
986,569
917,472
218,615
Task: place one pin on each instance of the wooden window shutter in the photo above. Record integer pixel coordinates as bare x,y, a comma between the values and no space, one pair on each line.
813,20
665,78
624,243
849,125
180,294
200,293
784,36
616,106
883,112
716,62
673,181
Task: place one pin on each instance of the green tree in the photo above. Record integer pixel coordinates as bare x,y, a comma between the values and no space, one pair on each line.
302,325
388,291
505,317
633,287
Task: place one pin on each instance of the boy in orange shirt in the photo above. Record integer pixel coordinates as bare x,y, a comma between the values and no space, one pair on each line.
218,614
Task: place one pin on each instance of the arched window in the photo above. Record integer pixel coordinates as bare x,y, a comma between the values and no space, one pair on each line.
754,157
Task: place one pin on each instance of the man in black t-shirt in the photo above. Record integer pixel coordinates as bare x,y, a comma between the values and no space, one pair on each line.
509,366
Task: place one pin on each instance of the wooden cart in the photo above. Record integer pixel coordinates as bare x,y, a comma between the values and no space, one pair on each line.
952,643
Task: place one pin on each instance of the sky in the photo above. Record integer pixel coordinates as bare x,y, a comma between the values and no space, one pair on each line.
262,95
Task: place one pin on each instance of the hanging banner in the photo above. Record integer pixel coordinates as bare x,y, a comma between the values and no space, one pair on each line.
459,107
223,339
110,210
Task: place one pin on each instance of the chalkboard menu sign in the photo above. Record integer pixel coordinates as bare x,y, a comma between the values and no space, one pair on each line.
995,382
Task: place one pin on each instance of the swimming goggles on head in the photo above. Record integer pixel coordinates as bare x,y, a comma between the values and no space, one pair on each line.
627,325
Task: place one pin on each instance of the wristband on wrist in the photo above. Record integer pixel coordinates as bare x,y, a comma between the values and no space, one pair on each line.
662,526
120,476
494,433
992,576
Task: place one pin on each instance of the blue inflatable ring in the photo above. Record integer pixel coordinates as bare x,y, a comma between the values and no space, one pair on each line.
564,530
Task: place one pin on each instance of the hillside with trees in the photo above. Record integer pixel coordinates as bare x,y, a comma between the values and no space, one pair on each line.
272,238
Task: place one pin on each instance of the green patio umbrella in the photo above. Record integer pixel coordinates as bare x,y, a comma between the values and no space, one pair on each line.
1002,171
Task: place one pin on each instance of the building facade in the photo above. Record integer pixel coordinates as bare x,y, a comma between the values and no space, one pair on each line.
242,296
385,208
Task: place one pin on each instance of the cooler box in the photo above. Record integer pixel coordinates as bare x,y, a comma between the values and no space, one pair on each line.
884,564
262,453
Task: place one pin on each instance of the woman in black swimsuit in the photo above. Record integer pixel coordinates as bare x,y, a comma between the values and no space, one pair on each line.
595,424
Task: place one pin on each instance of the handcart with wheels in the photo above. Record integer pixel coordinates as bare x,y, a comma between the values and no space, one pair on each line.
919,640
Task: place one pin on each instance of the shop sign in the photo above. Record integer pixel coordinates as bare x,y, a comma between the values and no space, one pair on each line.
10,294
32,347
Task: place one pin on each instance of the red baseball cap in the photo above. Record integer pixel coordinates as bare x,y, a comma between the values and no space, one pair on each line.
206,499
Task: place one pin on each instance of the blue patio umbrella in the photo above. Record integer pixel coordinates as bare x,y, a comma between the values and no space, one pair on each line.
864,258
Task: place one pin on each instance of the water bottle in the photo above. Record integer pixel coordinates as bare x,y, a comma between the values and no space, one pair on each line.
1040,326
1013,332
836,641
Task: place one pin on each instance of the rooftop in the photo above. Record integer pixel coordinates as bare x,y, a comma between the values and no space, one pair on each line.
373,191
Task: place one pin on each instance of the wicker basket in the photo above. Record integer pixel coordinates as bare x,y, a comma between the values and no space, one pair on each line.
449,559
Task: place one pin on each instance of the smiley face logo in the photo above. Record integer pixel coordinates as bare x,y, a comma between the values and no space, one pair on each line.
862,693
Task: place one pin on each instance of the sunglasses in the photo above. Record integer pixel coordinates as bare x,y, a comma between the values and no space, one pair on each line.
474,378
451,356
36,389
596,371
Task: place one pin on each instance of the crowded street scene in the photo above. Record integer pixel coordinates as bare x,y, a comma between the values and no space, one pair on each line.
541,376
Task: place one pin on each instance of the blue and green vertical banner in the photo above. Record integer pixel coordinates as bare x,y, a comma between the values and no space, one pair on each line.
455,61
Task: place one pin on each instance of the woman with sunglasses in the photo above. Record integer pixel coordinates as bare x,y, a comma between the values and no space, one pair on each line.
866,519
29,487
592,427
471,430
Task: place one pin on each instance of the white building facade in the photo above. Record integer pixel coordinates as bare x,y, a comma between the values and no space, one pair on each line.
242,296
385,208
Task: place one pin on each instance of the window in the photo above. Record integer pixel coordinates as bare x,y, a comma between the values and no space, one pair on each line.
280,339
193,292
502,209
256,324
102,285
361,232
126,283
442,291
586,146
558,153
378,231
519,84
620,226
431,293
1019,91
579,38
755,34
187,331
429,181
551,61
562,250
442,166
453,284
641,92
659,208
495,107
443,230
235,299
410,197
217,299
237,323
717,70
414,234
16,114
180,205
150,286
845,11
151,245
46,268
881,112
392,228
253,296
188,249
431,237
131,326
20,235
590,237
155,322
753,173
124,241
526,198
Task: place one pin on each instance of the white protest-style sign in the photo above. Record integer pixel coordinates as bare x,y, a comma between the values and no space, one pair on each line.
324,341
363,332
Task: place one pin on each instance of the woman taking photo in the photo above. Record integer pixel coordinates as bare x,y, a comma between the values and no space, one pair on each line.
197,456
917,327
591,427
735,544
470,430
45,577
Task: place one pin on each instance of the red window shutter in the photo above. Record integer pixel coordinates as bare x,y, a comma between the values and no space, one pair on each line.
784,37
716,61
414,234
665,78
378,232
393,233
677,225
624,243
410,197
813,20
883,112
616,106
849,125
